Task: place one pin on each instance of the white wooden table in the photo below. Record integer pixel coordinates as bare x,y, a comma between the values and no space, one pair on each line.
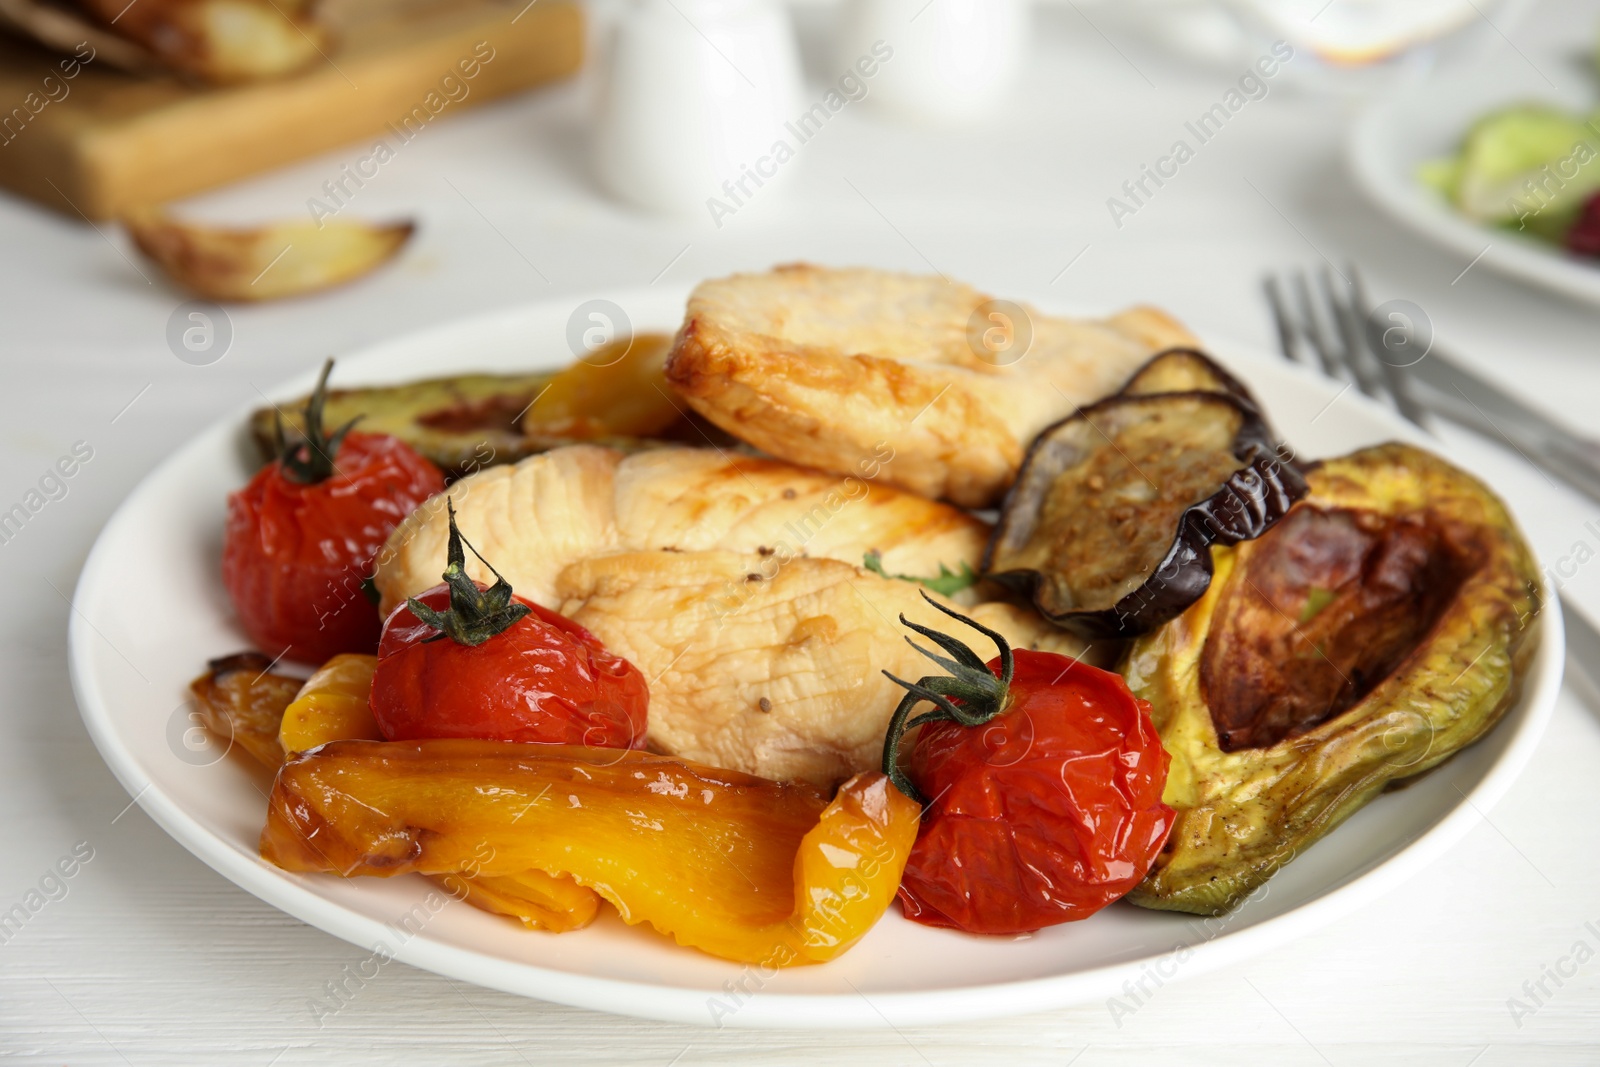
150,958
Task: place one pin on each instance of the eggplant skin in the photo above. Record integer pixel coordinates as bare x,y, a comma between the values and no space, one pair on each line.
1242,815
1252,500
1185,370
1258,492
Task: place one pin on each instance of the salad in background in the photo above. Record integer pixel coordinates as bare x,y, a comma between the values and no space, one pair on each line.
1530,167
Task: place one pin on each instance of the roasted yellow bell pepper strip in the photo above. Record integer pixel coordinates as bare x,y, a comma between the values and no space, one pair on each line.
241,701
267,714
539,901
737,866
332,706
620,389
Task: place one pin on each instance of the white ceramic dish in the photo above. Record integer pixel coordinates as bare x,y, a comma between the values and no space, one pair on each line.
1426,121
130,676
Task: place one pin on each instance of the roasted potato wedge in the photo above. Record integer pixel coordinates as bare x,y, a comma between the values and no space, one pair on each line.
266,262
71,32
221,42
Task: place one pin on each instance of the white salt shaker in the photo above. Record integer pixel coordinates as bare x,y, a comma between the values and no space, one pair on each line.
695,96
952,59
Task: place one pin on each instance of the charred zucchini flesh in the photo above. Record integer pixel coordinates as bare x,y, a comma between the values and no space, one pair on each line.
469,421
460,423
1379,629
1110,522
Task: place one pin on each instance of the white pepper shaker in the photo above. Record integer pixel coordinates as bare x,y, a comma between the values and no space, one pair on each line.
695,94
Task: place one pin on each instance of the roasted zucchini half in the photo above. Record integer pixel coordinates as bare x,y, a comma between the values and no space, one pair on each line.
1380,628
470,421
1110,523
460,423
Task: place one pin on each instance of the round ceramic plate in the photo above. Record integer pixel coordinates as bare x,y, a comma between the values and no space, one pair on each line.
131,677
1427,121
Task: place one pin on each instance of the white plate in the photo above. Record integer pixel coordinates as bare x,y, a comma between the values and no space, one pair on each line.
1427,120
130,673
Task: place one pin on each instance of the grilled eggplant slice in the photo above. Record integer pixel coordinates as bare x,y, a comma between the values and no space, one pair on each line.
470,421
1110,523
1380,628
1185,370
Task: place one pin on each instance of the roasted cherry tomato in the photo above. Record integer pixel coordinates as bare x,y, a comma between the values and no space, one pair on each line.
301,537
1043,778
464,661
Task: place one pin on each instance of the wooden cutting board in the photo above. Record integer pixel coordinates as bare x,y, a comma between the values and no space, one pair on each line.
103,142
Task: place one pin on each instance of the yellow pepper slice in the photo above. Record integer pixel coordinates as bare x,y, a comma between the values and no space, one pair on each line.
737,866
538,900
332,706
848,866
241,701
621,389
269,714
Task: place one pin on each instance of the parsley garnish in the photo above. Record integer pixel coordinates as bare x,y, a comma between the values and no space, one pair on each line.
947,583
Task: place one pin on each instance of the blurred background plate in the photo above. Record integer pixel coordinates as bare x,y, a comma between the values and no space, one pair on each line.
1427,120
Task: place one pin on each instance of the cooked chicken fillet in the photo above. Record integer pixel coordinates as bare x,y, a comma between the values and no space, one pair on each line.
828,367
768,669
533,518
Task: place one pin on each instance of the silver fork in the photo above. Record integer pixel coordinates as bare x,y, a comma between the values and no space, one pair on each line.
1337,332
1390,364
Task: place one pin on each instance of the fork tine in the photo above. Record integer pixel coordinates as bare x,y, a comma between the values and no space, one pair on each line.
1272,285
1311,329
1394,379
1356,357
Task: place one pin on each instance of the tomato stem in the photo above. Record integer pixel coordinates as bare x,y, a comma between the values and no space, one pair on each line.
310,460
971,694
475,614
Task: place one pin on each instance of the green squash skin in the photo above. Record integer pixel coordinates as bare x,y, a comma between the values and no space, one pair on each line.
1244,814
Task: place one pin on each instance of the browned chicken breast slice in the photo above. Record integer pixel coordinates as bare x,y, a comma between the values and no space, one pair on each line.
533,518
771,668
828,368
